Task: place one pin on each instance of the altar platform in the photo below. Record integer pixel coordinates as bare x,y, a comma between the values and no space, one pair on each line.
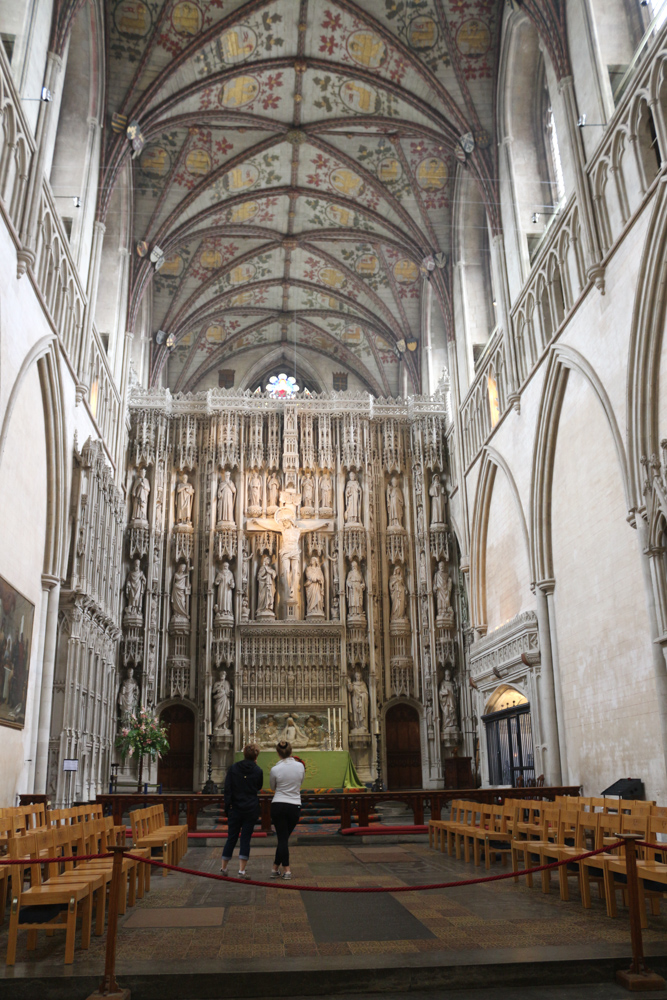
196,938
326,770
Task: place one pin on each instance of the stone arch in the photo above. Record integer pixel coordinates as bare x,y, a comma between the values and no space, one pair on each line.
491,462
278,357
562,359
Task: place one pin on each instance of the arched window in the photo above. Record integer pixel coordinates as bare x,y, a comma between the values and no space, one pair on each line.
282,386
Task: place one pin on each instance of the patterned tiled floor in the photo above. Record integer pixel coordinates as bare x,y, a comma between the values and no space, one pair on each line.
253,923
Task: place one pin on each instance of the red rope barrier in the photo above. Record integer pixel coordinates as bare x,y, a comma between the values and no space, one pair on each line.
652,847
399,888
52,861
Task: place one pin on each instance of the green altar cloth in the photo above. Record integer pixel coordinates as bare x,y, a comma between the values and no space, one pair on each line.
324,768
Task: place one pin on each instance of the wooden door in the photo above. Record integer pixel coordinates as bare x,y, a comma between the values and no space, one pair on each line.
404,759
175,769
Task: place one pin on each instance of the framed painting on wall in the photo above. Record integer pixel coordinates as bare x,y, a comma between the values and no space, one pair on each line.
16,620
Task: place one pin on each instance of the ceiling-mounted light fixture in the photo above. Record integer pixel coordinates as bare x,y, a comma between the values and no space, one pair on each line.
160,337
582,123
157,257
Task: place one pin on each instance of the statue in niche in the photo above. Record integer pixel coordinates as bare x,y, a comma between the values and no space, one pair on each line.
285,521
314,589
140,491
326,492
352,500
422,569
226,498
266,579
358,699
273,489
185,493
222,703
395,504
442,588
128,696
135,586
354,589
255,490
398,595
180,591
224,581
294,734
436,494
307,492
447,696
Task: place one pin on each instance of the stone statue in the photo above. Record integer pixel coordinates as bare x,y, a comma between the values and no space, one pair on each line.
140,491
326,492
128,696
395,504
222,703
314,589
358,699
307,491
397,592
422,569
255,490
442,588
354,589
226,498
352,500
180,591
134,587
294,734
273,488
447,697
437,500
185,492
266,579
224,581
290,528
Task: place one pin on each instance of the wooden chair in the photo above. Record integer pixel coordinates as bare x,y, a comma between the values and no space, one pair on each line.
142,837
615,871
530,849
594,868
178,833
652,868
495,837
69,840
64,898
529,822
551,851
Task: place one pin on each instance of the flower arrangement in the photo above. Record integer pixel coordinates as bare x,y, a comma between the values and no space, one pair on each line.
142,735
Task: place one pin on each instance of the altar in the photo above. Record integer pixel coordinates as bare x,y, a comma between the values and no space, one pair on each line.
324,769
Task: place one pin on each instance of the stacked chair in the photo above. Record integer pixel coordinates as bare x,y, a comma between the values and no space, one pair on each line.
535,833
149,832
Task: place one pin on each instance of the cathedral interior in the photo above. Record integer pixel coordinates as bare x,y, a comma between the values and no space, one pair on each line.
333,392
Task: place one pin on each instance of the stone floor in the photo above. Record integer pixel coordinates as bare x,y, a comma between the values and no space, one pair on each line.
188,919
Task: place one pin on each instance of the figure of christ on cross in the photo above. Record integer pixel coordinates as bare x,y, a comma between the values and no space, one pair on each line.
286,524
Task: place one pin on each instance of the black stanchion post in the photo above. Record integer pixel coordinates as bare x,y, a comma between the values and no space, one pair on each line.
109,988
637,977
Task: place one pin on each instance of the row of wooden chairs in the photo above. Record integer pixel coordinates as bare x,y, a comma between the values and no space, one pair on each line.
608,805
539,833
149,831
62,892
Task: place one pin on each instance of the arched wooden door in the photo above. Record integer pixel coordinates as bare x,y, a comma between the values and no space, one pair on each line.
175,769
404,759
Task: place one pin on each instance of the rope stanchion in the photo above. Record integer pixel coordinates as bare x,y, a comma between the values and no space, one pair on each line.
362,889
109,988
638,976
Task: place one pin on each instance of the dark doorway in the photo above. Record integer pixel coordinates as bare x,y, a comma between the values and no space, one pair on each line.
175,769
509,742
404,758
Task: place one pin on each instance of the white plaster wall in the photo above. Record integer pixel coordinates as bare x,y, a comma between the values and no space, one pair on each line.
507,569
23,518
610,716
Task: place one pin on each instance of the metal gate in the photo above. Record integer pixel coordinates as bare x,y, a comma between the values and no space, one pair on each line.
509,742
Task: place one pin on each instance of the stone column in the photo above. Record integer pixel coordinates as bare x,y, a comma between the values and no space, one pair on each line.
47,642
551,752
658,648
547,587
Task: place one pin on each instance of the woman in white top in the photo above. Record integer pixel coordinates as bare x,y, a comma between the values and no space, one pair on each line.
286,778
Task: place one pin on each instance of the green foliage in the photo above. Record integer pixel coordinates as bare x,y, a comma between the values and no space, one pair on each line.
142,735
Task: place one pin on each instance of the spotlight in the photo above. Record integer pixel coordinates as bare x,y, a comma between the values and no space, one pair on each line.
77,201
581,121
46,95
535,218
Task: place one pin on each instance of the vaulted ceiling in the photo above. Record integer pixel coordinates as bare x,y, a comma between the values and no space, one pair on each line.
298,167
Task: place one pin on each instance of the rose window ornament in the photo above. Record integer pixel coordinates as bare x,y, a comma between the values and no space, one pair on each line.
282,386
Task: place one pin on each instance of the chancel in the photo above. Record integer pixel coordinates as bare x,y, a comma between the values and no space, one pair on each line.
333,413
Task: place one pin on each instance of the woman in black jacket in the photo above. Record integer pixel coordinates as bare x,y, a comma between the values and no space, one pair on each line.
243,782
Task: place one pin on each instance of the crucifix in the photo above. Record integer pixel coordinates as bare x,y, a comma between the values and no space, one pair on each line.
285,523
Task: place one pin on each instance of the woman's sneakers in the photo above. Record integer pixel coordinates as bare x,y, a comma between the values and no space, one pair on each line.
287,874
275,873
244,874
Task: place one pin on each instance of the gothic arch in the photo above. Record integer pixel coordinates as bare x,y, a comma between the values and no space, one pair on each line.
492,461
561,360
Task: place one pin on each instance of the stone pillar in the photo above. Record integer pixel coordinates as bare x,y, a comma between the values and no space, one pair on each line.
658,648
547,587
47,642
551,751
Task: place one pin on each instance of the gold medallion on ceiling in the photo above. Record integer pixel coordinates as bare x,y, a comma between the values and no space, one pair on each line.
406,271
242,273
367,265
367,49
359,97
186,18
237,44
172,267
432,174
389,170
352,335
422,33
295,137
215,334
340,215
155,161
198,162
132,18
210,259
245,212
331,277
241,177
346,182
473,38
238,92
